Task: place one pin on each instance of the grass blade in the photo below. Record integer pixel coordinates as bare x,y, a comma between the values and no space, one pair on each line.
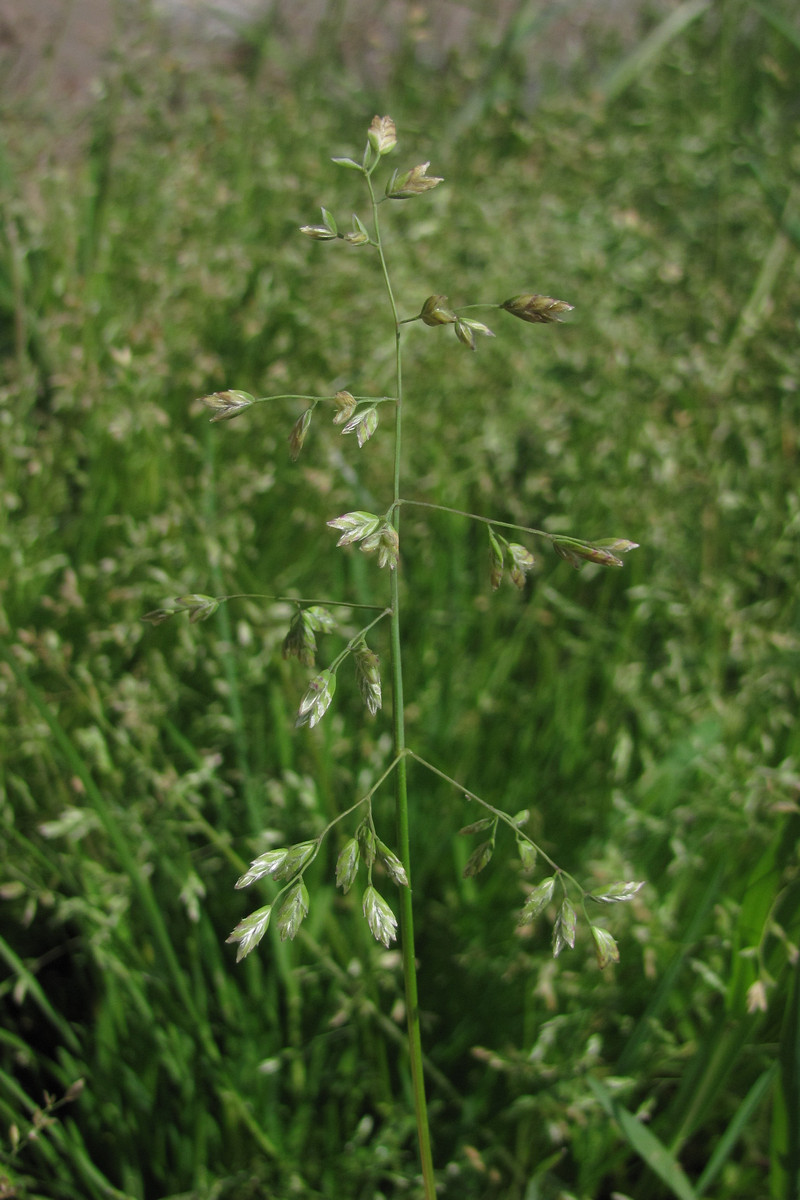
778,22
118,840
648,50
785,1139
756,309
33,989
649,1148
742,1116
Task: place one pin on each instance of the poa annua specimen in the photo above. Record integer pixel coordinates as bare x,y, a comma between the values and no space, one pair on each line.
379,534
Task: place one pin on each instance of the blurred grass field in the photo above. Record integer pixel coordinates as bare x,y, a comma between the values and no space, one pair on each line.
149,254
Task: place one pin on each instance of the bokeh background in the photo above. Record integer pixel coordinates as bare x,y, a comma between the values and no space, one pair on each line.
640,161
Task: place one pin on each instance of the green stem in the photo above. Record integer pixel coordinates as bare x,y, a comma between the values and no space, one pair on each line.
235,706
401,781
319,399
459,512
351,645
500,815
294,600
362,800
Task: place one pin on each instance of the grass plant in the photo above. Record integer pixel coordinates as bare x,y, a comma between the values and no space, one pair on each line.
379,534
659,702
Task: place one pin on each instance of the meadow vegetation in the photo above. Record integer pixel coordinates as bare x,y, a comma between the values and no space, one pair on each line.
647,718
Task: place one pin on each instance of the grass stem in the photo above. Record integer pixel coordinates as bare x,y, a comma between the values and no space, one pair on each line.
401,776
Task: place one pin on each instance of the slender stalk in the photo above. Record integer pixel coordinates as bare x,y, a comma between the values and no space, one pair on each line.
318,399
459,512
334,666
18,288
496,812
305,600
401,779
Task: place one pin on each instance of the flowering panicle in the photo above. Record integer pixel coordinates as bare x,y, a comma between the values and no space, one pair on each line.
539,310
382,135
519,559
377,533
317,699
299,433
435,312
380,918
604,553
227,405
328,231
368,676
411,183
374,533
345,407
363,424
467,328
300,642
198,606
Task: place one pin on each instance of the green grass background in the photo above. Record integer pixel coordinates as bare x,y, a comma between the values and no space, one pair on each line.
647,718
